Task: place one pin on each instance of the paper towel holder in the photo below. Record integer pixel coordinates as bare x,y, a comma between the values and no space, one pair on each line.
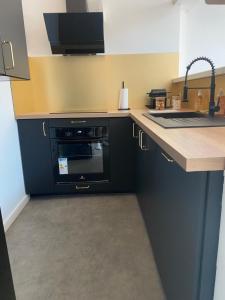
123,100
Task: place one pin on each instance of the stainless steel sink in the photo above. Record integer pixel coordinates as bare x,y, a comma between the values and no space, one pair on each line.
185,119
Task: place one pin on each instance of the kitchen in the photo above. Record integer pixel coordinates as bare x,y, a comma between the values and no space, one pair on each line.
67,118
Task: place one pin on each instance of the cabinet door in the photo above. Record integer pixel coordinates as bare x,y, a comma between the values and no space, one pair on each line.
36,156
122,155
145,173
13,39
176,225
6,282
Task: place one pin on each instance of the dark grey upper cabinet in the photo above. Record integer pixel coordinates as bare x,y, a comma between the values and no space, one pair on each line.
13,59
2,67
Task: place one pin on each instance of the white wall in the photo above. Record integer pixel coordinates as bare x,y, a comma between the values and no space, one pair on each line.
131,26
11,177
141,26
37,40
202,34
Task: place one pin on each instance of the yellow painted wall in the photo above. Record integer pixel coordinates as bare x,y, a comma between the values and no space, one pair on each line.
177,89
91,83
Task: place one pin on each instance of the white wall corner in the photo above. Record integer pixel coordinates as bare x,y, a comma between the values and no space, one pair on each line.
16,212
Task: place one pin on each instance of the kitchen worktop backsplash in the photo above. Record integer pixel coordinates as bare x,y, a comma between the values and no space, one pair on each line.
91,83
195,102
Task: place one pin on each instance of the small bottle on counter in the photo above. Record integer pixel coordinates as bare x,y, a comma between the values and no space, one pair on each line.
221,102
176,102
199,101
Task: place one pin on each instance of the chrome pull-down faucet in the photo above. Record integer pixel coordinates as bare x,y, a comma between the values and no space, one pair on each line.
212,106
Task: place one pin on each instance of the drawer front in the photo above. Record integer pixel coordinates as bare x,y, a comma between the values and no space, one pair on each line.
82,188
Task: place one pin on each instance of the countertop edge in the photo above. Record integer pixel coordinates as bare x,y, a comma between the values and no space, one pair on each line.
110,114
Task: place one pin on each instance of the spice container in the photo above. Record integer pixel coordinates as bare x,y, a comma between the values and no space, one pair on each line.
160,103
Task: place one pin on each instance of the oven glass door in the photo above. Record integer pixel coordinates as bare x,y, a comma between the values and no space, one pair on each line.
80,161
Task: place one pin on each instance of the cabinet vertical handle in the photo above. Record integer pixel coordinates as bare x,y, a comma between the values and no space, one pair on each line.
43,128
167,158
143,148
139,137
134,136
11,53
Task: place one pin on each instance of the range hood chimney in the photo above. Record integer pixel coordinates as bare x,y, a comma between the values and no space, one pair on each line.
73,6
78,31
77,6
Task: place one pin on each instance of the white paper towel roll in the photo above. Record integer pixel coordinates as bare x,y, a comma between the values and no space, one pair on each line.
123,102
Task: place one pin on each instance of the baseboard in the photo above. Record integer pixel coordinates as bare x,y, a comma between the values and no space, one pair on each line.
15,213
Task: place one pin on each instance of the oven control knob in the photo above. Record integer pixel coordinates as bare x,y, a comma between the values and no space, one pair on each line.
68,133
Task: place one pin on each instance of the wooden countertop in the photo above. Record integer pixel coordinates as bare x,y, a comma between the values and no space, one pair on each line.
194,149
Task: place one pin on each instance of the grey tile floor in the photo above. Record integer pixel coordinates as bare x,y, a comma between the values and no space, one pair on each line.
82,248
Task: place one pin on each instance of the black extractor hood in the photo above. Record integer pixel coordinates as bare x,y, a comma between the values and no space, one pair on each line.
77,31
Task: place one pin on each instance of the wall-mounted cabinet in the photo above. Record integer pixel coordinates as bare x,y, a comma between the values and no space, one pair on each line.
13,48
2,68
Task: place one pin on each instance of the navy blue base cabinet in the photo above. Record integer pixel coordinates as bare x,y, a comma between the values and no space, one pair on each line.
182,216
36,156
38,165
122,155
181,209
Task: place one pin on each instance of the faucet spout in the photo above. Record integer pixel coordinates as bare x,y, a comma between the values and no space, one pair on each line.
212,106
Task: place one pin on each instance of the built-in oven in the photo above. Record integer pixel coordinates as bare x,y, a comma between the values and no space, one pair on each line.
80,153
